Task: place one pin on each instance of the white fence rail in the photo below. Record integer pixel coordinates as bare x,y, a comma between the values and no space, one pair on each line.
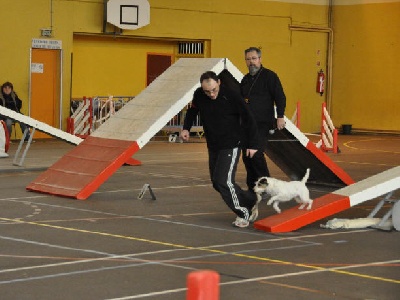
89,113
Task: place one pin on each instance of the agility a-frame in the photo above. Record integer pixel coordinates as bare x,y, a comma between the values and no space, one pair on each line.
81,171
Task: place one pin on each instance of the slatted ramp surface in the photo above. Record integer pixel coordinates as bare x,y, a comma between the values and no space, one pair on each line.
81,171
327,205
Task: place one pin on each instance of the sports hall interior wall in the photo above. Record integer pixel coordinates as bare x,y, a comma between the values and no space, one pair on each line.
365,50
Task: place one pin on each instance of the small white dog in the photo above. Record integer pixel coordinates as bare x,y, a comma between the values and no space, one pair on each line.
282,191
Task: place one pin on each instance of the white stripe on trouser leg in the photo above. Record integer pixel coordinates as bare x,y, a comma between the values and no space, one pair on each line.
231,186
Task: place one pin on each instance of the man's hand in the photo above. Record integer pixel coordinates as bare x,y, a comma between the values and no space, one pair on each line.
185,135
280,123
250,152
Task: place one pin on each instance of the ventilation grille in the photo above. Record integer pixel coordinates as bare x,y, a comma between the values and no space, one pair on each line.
191,48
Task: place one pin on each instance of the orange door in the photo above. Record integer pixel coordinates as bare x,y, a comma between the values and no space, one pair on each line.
45,88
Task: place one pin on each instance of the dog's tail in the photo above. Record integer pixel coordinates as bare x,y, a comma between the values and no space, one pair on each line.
305,178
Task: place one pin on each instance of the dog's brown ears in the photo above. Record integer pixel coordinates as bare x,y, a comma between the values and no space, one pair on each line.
264,181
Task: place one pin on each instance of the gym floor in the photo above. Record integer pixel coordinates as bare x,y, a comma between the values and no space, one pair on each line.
116,246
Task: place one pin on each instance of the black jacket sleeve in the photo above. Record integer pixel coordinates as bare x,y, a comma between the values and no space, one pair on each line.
191,115
278,95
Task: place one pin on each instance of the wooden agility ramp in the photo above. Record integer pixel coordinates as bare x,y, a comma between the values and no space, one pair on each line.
292,151
81,171
342,199
43,127
35,124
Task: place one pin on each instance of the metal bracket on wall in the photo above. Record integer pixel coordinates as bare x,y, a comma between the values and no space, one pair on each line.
117,31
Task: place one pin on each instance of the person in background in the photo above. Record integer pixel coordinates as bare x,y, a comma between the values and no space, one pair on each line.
225,118
262,91
10,100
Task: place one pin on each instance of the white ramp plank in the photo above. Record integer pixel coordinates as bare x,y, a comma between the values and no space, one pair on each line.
165,97
43,127
372,187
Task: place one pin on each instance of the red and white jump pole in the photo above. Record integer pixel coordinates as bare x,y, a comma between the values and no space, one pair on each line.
328,132
4,139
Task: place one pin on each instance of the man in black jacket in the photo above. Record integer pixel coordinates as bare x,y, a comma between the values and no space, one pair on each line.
262,91
225,118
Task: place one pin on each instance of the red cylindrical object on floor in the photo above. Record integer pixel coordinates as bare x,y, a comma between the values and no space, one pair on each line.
203,285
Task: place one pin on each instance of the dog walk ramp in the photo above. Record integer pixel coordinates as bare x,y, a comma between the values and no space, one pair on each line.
43,127
342,199
81,171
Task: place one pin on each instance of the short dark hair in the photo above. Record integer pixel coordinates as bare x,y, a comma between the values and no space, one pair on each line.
208,75
251,49
7,83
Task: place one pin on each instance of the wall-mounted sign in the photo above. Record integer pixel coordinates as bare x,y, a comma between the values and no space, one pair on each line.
46,44
128,14
46,32
37,68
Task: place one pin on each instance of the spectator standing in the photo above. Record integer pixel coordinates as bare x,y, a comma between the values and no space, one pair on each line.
262,90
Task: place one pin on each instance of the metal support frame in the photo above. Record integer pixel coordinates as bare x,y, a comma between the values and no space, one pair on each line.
146,187
21,144
383,223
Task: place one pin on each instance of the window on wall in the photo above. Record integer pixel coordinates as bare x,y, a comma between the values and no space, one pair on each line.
187,48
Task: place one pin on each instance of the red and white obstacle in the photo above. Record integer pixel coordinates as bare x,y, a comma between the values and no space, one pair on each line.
4,140
81,171
81,121
329,134
327,205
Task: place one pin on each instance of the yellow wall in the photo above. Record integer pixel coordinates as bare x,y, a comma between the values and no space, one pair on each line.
287,53
366,89
112,66
365,61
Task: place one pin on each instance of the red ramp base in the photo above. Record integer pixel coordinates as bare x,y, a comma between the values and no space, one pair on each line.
294,218
133,162
82,170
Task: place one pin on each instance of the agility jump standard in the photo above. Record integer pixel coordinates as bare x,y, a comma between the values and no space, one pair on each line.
4,140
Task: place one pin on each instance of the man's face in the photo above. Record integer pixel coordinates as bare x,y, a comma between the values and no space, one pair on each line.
253,62
211,88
